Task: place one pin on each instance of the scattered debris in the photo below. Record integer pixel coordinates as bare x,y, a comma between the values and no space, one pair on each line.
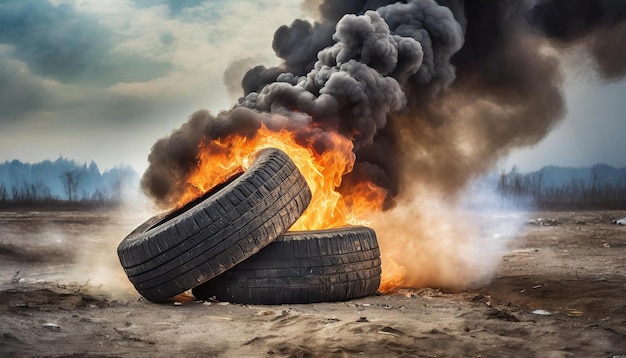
543,222
259,340
222,318
541,312
574,312
621,221
126,334
52,326
391,331
482,298
429,292
9,337
606,244
496,313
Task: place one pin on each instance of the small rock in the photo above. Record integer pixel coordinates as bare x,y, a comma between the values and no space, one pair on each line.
541,312
52,326
362,319
391,331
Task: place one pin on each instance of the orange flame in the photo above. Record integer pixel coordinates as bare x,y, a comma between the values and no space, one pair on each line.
219,159
393,276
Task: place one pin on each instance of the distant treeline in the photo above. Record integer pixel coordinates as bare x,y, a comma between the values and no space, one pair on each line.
598,187
66,183
63,182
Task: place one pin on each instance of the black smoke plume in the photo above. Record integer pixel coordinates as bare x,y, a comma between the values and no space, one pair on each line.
428,91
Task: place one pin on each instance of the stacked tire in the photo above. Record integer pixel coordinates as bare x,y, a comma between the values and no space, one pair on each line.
231,244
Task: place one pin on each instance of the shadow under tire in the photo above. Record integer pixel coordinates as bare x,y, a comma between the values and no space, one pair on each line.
174,252
303,267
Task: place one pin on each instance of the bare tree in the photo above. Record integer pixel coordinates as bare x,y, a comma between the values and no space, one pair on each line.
70,180
503,186
100,195
594,178
536,183
4,195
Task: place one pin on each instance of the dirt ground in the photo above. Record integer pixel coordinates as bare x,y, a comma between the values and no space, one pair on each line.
560,291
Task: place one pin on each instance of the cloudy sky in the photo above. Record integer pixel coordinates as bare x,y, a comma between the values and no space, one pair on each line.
103,79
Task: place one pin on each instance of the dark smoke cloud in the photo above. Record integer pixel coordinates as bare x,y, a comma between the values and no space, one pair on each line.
608,48
569,20
430,92
440,35
299,44
600,26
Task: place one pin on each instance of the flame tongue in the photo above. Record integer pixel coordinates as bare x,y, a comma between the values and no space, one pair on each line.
323,170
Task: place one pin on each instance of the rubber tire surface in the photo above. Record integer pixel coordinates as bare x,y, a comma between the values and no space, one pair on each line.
303,267
170,254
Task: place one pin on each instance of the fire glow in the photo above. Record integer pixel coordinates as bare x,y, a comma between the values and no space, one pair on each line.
219,159
402,95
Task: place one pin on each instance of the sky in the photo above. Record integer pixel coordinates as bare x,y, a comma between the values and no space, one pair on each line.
593,130
102,80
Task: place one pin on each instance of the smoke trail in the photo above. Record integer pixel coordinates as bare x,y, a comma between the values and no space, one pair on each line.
431,93
599,26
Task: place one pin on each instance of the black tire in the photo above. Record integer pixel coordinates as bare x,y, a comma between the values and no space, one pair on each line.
303,267
169,254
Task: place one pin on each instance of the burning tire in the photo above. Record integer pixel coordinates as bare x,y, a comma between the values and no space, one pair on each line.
303,267
169,254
